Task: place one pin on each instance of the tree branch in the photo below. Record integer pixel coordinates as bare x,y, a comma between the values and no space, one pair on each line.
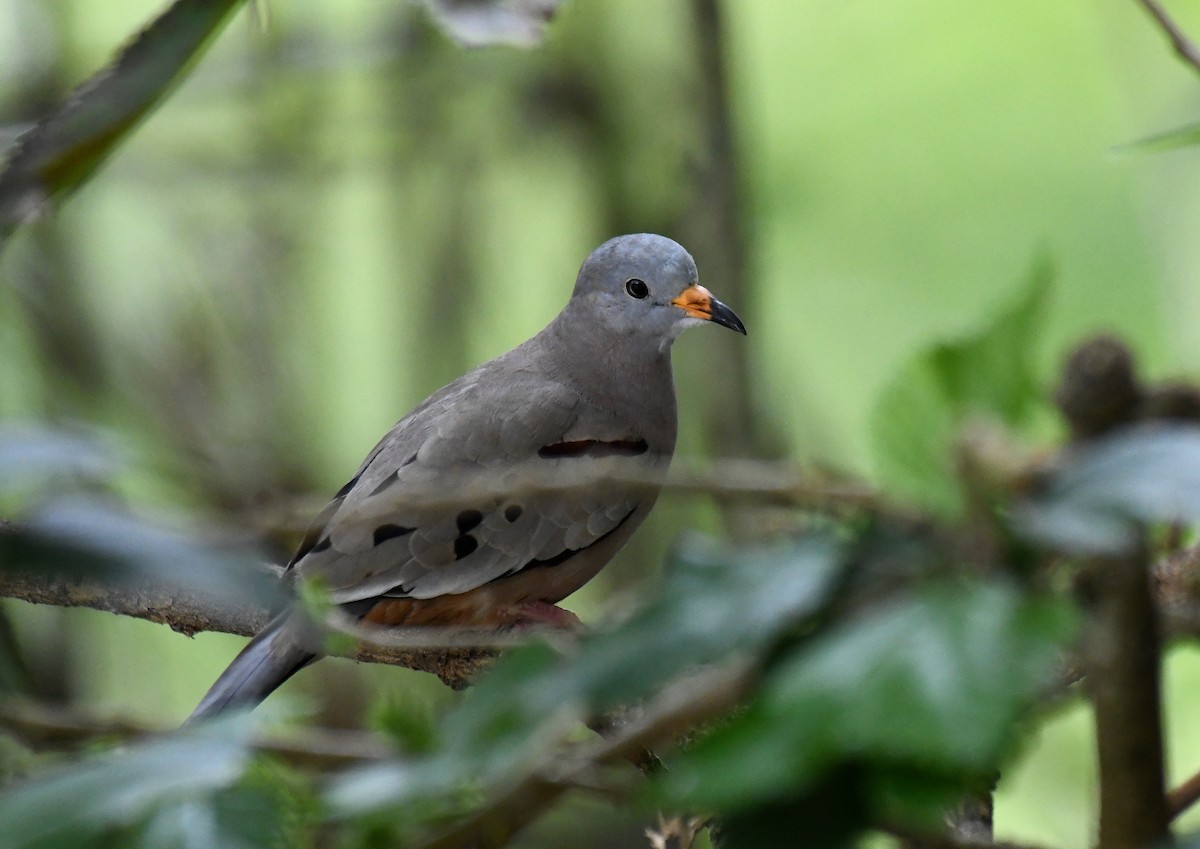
454,656
1182,45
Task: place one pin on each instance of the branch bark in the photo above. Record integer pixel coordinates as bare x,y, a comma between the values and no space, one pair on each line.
455,657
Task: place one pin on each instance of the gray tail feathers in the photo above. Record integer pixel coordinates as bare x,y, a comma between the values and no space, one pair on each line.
266,662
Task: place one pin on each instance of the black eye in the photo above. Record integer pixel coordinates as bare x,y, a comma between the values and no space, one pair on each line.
636,288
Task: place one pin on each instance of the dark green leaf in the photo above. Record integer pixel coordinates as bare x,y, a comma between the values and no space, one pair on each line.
988,373
64,149
936,682
1101,491
829,815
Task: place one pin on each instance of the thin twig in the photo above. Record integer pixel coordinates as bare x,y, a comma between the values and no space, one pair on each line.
1183,46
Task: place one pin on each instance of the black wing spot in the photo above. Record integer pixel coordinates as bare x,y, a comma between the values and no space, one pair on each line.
513,512
385,532
595,448
468,520
322,545
464,545
386,482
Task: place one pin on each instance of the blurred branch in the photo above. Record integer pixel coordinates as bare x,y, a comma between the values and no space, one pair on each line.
723,228
1184,48
43,726
1121,662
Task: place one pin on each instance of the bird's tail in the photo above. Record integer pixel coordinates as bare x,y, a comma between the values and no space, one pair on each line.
266,662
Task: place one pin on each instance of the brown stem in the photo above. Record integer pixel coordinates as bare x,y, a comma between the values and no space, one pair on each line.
1121,658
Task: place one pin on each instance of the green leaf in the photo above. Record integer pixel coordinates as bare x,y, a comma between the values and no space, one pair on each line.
937,682
78,801
1095,500
988,373
262,809
64,149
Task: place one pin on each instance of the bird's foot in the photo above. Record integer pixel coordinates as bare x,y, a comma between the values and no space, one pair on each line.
533,613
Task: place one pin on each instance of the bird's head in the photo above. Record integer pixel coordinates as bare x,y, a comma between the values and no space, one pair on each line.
647,286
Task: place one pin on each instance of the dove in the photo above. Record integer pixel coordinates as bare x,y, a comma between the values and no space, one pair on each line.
508,489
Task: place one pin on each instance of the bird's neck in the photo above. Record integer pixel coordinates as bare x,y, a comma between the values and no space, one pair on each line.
605,367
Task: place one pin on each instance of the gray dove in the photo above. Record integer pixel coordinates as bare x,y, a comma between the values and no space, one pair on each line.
510,488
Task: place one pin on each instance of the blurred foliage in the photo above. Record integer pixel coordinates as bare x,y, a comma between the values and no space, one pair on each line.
919,415
341,210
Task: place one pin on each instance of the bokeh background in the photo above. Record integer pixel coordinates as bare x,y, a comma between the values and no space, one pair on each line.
340,210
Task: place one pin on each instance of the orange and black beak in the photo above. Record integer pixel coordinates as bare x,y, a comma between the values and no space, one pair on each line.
698,302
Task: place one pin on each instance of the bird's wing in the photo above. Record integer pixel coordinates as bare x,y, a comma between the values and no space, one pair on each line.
498,472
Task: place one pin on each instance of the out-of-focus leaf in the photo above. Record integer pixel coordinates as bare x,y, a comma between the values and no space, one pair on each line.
936,682
63,150
829,815
1176,139
119,789
475,23
1095,500
189,824
987,373
259,810
87,538
713,603
33,452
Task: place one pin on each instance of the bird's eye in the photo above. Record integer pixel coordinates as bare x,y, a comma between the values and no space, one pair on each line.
636,288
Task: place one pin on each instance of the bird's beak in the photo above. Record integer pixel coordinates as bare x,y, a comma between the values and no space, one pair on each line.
698,302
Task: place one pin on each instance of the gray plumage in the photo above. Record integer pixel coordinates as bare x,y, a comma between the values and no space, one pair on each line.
518,481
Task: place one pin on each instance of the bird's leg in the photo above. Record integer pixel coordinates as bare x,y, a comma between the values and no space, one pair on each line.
544,613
